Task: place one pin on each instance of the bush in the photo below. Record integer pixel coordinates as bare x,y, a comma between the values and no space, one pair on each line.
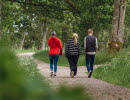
20,80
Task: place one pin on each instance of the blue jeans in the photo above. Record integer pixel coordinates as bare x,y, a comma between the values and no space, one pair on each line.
90,62
53,62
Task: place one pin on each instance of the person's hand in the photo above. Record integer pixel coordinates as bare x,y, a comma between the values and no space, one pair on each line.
60,52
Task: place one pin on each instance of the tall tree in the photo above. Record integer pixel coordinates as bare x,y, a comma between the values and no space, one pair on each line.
44,30
0,17
127,25
117,32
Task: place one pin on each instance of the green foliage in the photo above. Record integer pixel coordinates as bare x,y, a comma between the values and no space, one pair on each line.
8,76
21,80
28,68
103,57
25,50
117,71
98,13
66,93
127,27
95,14
60,17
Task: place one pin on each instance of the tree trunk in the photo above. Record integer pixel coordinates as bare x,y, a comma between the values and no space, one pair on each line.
0,18
117,32
44,30
22,41
64,37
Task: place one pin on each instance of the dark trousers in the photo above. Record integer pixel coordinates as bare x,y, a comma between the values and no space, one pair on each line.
90,62
73,60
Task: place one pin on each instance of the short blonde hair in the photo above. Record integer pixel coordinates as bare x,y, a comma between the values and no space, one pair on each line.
90,31
75,37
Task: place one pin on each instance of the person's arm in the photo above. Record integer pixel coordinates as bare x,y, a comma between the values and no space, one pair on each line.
67,47
60,46
80,50
85,44
96,44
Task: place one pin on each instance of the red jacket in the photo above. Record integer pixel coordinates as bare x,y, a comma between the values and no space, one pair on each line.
55,46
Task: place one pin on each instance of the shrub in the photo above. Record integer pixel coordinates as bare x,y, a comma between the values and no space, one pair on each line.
20,80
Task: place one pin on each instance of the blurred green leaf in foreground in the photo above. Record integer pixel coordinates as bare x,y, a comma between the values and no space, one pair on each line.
21,80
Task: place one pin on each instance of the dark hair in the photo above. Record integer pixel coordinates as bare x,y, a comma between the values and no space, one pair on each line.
90,30
53,33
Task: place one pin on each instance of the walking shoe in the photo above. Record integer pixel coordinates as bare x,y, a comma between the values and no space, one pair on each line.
72,74
54,74
51,74
90,73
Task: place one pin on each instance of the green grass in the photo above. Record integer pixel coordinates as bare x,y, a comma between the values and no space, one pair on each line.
25,50
101,58
43,56
117,71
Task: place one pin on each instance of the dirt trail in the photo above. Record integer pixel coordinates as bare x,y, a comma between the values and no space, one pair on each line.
100,90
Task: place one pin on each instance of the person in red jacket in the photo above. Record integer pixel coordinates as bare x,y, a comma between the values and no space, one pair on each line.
55,51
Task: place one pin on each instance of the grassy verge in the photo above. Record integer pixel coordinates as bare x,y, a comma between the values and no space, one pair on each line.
101,58
117,71
43,56
25,50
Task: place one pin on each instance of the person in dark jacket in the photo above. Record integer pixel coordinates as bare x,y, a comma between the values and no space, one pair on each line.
90,46
72,51
55,51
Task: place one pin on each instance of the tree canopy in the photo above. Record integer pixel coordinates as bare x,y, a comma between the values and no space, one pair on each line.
37,18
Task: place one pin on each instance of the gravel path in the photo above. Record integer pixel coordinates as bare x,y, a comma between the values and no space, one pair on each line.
100,90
